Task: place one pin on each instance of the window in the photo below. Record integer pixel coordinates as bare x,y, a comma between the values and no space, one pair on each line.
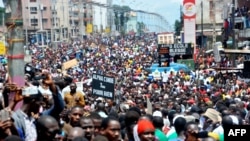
165,37
34,22
33,10
54,13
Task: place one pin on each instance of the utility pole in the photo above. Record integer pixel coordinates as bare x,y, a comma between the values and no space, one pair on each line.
214,24
201,23
233,32
15,39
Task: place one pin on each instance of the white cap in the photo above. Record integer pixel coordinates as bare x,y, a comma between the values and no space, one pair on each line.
157,114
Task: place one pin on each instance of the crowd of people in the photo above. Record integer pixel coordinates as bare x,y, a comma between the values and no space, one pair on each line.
180,106
244,13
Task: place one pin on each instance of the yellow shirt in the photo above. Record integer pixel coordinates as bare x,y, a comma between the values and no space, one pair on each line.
72,100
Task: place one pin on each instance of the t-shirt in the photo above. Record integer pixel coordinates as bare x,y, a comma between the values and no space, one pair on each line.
171,134
160,135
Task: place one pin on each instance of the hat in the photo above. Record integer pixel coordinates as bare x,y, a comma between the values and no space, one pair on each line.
157,114
195,109
144,125
190,118
196,116
191,101
99,99
213,115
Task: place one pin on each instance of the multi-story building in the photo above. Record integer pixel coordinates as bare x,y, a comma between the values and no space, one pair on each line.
55,20
209,15
100,15
37,20
166,38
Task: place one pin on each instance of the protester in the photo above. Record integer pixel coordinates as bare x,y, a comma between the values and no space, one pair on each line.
174,104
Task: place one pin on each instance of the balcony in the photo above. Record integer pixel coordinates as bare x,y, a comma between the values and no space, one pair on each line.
245,33
87,19
74,18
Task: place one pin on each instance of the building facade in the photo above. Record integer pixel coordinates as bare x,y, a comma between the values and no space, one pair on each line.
166,38
209,21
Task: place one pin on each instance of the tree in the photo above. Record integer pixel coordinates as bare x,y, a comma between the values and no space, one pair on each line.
177,27
140,27
121,16
14,23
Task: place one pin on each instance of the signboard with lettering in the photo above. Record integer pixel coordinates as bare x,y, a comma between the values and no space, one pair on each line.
103,86
163,55
180,49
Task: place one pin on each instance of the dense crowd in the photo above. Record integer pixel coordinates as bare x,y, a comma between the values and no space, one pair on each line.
244,13
180,106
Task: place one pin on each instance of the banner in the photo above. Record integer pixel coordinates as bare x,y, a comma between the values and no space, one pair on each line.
89,28
2,49
107,30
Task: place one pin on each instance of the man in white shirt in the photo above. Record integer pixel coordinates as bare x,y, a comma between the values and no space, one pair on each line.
164,76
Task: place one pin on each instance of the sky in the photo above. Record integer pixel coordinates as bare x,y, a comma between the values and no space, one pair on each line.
169,9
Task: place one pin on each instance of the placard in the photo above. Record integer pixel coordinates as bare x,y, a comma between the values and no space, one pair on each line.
79,85
163,55
103,86
33,90
69,64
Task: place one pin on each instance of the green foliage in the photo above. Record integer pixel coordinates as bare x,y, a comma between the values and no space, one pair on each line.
2,16
140,27
121,16
177,27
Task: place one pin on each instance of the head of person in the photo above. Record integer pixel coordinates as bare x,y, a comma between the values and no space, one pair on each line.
80,139
72,87
158,122
145,130
13,138
33,103
208,139
97,121
74,115
227,121
179,124
74,133
111,128
131,119
47,128
147,117
191,131
110,103
87,125
100,107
